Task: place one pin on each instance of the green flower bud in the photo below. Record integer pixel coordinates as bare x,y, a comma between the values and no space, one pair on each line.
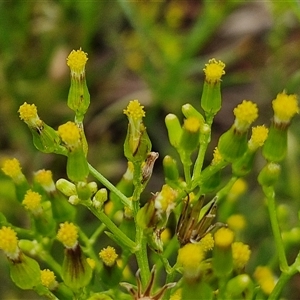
189,139
232,144
25,272
269,175
66,187
189,111
99,198
174,129
170,169
76,272
275,147
240,287
86,190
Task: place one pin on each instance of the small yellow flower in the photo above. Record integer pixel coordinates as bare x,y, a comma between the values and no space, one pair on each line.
236,222
165,200
265,279
28,113
108,256
245,114
9,242
207,242
76,61
214,70
70,134
224,237
12,168
134,110
238,188
44,178
48,279
217,157
240,254
68,234
91,262
32,201
192,124
285,107
190,257
258,137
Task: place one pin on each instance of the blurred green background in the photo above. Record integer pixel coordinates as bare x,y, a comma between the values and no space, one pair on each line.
153,51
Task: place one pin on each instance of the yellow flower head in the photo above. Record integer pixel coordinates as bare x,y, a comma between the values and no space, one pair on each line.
76,61
236,222
32,201
91,262
258,137
190,257
265,279
134,110
48,279
44,178
285,107
28,113
165,200
207,242
245,114
224,237
12,168
192,124
70,134
108,256
240,254
68,234
214,70
238,188
217,157
9,242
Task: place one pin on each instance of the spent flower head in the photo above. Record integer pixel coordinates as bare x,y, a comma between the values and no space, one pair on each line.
68,235
9,242
214,70
285,107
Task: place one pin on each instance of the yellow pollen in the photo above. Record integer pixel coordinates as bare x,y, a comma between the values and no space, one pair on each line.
43,177
48,279
191,124
77,60
8,240
69,133
236,222
67,234
258,137
245,113
214,70
12,168
134,110
217,157
108,256
224,237
32,201
285,107
240,254
207,242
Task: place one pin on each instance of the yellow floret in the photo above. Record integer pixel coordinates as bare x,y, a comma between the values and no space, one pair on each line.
236,222
258,137
68,234
108,256
245,114
69,133
48,279
32,201
285,107
207,242
265,279
192,124
12,168
91,263
9,242
240,254
224,237
28,113
134,110
238,188
44,177
214,70
77,60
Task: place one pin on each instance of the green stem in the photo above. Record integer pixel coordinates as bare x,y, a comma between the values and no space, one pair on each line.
283,279
110,186
270,194
118,234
